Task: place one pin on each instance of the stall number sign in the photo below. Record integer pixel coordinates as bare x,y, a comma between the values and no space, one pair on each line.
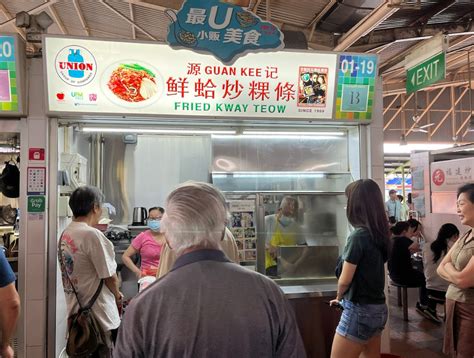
36,204
356,86
36,181
8,75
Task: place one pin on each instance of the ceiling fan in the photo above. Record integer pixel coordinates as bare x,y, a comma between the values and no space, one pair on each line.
416,118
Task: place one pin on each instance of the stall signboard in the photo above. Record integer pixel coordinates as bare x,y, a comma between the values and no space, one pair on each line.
356,86
130,78
11,75
448,176
222,29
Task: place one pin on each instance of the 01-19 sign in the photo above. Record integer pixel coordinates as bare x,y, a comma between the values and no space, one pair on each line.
356,86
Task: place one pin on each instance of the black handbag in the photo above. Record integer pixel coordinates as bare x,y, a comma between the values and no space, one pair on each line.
85,335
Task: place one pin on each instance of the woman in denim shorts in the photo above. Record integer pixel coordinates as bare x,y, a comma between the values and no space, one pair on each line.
361,283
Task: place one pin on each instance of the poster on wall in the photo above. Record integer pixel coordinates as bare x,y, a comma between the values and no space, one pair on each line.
87,76
356,86
11,75
243,227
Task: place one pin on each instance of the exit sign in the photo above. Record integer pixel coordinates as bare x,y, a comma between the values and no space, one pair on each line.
426,73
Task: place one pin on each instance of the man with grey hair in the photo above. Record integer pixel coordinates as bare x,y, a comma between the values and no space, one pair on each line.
206,306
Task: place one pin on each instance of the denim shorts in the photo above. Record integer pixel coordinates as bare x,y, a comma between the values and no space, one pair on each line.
361,322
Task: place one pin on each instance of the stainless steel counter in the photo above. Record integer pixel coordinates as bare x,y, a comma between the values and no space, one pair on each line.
305,291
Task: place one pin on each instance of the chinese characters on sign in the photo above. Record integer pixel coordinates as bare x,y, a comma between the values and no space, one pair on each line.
450,175
224,30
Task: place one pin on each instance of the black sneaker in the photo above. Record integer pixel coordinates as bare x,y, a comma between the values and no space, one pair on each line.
432,315
425,312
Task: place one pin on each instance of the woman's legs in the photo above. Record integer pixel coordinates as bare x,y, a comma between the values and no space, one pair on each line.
372,349
345,348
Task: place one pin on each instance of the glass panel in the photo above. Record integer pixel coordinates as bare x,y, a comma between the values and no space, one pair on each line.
281,181
301,234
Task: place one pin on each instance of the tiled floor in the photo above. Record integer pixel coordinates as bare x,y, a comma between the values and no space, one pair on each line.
417,338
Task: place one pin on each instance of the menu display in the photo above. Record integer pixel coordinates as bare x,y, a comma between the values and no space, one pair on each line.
10,77
243,228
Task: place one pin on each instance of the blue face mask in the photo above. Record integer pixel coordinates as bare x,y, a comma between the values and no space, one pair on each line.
285,220
154,225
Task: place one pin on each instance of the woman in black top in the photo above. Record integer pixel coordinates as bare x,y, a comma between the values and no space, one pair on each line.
400,266
361,283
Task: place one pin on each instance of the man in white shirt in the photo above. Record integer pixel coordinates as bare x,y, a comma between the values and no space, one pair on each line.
86,258
393,207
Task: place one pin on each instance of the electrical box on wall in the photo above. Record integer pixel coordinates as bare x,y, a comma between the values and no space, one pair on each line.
63,207
76,167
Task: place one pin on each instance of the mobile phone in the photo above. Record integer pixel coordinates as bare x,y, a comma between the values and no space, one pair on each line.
337,306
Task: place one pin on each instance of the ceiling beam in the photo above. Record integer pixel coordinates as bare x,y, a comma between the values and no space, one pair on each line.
256,5
432,11
425,111
132,17
58,20
148,5
81,17
122,16
268,10
367,24
34,10
9,16
317,18
391,103
389,122
451,111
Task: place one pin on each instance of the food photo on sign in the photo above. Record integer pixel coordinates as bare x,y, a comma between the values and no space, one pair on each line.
222,28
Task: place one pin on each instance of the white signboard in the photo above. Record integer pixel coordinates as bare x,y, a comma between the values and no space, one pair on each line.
87,76
451,174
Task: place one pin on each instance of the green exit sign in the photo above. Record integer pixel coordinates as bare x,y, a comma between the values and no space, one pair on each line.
426,73
36,204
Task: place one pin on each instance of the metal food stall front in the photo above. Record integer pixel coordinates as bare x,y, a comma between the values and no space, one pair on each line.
253,129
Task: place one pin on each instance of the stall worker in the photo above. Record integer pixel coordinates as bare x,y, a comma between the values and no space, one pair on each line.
281,229
148,244
206,306
457,268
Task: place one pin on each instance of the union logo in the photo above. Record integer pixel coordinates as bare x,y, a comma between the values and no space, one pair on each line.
76,65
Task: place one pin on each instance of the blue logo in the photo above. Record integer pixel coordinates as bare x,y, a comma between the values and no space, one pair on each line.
76,65
224,30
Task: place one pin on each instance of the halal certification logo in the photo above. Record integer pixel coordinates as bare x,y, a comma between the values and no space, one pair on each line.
76,65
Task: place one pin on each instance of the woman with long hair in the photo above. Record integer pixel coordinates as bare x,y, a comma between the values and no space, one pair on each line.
360,289
436,286
457,267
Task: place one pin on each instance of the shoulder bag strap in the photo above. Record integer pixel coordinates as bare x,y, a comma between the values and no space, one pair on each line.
63,268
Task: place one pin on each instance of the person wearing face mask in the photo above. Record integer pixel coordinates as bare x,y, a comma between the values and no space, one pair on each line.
148,244
281,229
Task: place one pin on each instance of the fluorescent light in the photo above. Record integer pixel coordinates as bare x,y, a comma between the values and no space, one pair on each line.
287,133
396,148
268,174
155,131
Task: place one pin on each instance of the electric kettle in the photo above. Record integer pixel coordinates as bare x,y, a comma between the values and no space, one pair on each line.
139,216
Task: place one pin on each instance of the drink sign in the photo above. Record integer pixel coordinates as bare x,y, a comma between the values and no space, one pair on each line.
225,30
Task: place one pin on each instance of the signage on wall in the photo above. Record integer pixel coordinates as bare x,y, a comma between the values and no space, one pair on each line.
36,181
356,86
36,154
130,78
10,76
36,204
449,175
222,29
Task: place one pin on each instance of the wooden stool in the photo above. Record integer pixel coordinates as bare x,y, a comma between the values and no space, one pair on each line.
403,301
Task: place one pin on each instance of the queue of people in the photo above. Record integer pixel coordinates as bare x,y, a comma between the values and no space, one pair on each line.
176,316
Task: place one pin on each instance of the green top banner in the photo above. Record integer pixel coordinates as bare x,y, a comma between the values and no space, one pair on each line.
426,73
